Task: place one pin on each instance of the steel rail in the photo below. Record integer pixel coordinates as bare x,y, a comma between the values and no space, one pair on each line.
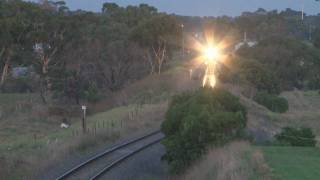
118,161
103,154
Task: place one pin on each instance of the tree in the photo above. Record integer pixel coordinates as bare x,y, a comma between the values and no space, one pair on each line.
158,36
110,8
272,102
197,120
51,32
15,24
119,67
293,62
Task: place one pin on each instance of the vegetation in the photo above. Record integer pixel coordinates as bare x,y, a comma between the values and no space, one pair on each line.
197,120
296,137
272,102
254,73
292,163
316,40
23,146
69,52
236,160
294,63
53,59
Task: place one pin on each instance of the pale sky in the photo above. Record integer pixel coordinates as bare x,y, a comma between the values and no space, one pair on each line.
203,7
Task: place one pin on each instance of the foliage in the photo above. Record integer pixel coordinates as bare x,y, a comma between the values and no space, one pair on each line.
69,50
159,35
292,61
316,40
272,102
314,83
260,76
296,137
243,70
92,94
196,120
294,163
18,85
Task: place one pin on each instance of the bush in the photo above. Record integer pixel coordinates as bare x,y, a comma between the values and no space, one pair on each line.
17,85
92,94
296,137
314,83
272,102
260,76
196,120
292,61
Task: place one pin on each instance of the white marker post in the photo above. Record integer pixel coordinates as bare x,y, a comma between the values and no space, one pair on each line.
190,74
84,128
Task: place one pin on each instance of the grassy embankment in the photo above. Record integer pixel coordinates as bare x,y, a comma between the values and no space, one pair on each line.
244,161
234,161
293,163
26,140
29,134
241,161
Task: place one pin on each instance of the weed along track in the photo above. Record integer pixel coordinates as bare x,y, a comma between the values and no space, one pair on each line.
100,164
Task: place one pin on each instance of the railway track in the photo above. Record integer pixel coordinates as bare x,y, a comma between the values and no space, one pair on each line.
95,167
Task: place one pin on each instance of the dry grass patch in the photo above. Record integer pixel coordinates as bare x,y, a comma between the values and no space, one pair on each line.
27,157
235,161
31,137
303,111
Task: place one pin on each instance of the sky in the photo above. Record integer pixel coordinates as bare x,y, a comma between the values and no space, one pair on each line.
203,7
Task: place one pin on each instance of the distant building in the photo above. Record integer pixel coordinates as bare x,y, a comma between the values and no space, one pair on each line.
18,72
241,44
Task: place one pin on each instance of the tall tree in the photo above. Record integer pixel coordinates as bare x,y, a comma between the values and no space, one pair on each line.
15,23
51,32
159,36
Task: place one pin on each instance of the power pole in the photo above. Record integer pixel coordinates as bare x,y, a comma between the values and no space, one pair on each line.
310,33
245,37
183,52
302,11
84,124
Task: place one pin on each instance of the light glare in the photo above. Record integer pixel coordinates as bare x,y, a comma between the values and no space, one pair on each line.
211,53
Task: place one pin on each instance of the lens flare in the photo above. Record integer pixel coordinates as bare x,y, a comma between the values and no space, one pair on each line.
209,79
211,53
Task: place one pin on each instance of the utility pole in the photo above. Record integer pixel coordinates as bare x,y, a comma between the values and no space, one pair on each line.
84,125
245,37
310,33
302,11
183,52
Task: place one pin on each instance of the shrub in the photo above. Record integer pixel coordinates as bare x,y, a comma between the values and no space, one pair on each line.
314,83
196,120
292,61
18,85
92,94
272,102
259,76
296,137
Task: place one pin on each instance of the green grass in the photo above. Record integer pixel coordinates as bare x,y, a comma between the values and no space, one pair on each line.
311,93
27,142
26,129
14,98
293,163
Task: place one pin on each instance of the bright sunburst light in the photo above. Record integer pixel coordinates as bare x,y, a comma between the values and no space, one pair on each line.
210,53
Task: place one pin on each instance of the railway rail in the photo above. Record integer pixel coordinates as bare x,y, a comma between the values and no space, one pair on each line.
97,166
